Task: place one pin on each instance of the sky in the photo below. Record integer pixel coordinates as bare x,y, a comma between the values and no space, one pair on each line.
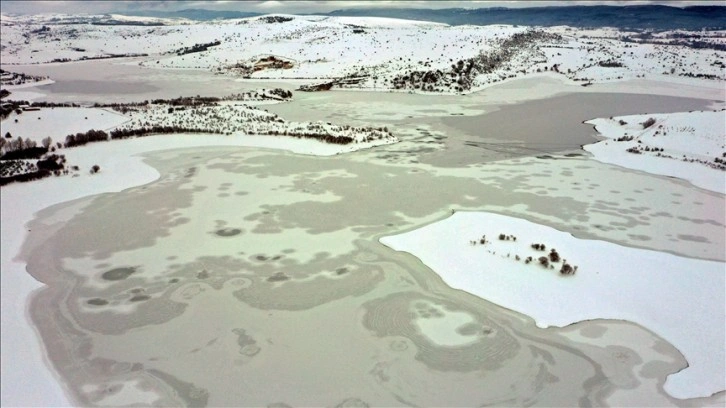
290,7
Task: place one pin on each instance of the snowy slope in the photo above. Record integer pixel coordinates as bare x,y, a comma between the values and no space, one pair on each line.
59,122
687,145
374,51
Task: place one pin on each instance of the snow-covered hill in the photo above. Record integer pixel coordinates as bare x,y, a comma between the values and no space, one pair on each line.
370,53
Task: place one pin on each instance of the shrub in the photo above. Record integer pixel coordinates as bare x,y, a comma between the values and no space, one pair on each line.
648,123
566,269
25,177
80,139
95,169
633,150
544,261
51,163
554,256
610,64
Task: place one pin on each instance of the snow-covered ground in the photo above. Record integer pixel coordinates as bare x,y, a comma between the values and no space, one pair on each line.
57,123
687,145
378,52
680,299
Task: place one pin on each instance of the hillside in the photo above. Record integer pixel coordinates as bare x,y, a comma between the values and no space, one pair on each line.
367,52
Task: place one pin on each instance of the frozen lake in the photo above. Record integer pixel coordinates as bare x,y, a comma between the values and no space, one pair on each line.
242,272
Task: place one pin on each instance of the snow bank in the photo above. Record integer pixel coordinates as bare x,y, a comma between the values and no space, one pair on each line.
693,146
680,299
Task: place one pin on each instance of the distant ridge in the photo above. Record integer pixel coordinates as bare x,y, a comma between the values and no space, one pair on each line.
638,17
651,17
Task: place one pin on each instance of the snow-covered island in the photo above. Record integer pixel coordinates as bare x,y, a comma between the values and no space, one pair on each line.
612,282
687,145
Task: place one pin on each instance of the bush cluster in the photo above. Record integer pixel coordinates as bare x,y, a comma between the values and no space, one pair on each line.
538,247
25,177
126,133
197,48
648,123
80,139
28,153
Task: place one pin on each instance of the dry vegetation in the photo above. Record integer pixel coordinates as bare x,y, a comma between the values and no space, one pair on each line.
548,261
